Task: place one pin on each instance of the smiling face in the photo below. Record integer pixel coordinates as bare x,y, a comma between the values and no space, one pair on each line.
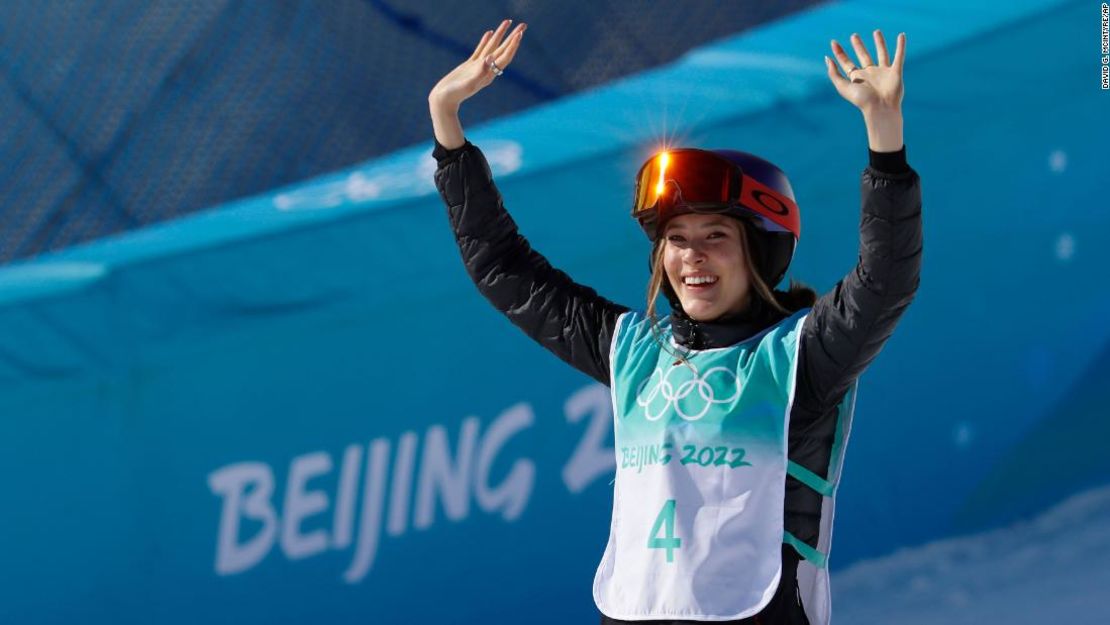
703,256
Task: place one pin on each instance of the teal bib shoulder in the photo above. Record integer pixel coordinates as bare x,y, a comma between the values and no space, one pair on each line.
754,375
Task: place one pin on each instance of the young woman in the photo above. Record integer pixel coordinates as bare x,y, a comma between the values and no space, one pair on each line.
739,405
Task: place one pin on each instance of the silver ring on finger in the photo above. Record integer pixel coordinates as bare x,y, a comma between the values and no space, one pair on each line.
496,70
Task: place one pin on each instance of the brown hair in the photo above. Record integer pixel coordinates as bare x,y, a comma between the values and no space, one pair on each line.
787,302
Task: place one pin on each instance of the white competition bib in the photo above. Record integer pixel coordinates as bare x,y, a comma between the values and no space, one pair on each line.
697,527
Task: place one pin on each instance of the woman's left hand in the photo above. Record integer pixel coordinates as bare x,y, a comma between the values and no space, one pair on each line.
873,86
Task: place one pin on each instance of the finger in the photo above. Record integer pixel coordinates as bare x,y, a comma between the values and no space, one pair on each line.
861,51
900,53
478,49
499,37
495,39
880,48
513,42
841,83
846,64
510,40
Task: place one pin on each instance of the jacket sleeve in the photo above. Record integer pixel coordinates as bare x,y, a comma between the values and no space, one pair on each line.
849,325
569,319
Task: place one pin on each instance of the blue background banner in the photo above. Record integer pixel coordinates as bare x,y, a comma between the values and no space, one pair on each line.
298,408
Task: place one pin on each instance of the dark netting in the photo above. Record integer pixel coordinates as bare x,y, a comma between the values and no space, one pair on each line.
117,114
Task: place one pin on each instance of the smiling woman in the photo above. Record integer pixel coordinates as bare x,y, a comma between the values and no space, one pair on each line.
727,214
706,265
728,467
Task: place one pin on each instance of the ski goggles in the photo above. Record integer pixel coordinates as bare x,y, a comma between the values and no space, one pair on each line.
688,179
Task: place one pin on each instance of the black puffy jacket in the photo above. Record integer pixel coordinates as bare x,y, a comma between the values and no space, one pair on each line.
843,333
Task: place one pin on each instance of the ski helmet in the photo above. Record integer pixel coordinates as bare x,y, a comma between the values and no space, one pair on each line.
738,184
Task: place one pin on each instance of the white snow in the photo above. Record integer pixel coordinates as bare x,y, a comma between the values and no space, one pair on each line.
1050,569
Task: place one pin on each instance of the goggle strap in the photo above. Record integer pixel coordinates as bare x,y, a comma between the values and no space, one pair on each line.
770,203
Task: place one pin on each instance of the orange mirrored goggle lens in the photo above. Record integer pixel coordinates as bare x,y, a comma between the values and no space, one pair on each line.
689,176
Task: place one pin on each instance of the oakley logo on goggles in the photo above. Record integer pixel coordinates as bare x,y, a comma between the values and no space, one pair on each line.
707,183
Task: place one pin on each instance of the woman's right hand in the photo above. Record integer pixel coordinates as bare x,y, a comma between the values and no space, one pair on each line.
475,73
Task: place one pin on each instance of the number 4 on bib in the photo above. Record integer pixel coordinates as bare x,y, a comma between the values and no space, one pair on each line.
665,522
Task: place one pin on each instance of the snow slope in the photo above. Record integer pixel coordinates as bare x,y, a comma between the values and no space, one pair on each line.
1047,569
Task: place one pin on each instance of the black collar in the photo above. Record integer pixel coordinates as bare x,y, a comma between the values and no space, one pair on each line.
723,331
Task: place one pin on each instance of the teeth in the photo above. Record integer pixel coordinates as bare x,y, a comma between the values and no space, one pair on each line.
700,280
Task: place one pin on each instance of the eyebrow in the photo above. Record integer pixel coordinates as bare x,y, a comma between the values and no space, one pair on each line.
708,224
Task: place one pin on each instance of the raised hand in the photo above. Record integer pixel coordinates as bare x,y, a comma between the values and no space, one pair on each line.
475,73
869,85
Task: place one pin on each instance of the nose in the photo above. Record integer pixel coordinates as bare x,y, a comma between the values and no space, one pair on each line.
694,253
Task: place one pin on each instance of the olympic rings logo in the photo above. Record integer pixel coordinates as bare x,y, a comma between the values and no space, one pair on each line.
674,396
